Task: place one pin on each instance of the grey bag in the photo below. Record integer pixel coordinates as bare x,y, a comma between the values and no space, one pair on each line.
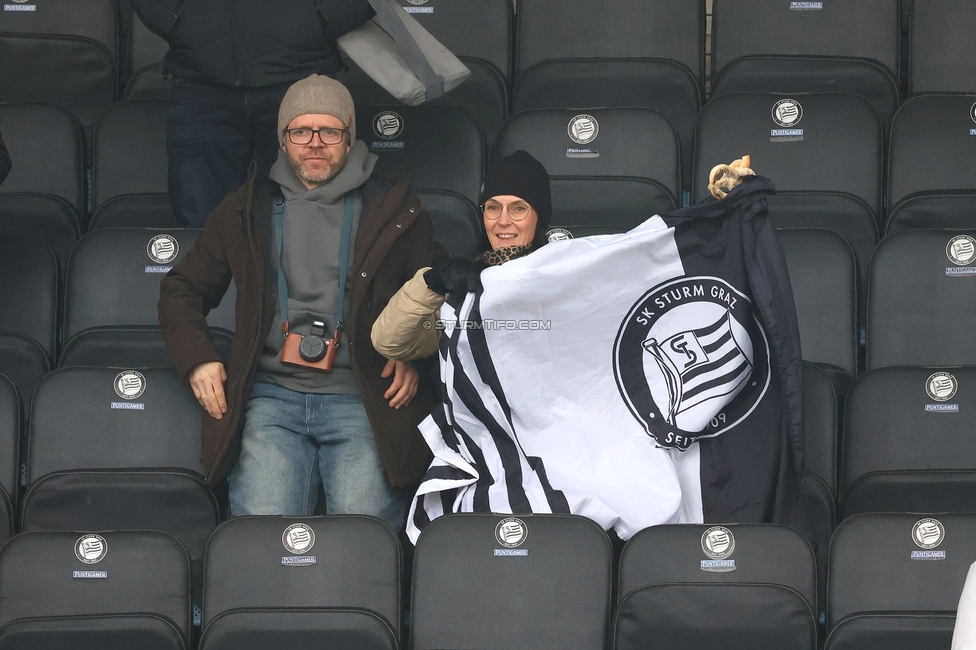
401,56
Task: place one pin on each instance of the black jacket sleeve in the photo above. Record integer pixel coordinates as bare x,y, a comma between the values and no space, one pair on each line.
158,16
5,163
343,16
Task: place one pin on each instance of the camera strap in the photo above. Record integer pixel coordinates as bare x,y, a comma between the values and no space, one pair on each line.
344,245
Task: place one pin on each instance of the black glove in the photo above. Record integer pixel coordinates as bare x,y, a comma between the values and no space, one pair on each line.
455,275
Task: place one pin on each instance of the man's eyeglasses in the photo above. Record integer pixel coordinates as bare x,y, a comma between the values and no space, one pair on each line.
516,211
327,135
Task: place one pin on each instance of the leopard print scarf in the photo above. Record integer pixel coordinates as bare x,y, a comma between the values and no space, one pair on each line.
502,255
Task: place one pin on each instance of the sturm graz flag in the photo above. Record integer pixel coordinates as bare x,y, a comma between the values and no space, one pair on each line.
637,379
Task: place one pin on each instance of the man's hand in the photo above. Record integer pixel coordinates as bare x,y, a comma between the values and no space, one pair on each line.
207,381
405,383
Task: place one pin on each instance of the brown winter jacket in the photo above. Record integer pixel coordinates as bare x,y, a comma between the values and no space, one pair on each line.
394,239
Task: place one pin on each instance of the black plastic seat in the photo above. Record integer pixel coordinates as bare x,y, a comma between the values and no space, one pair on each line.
895,580
627,171
62,52
827,163
457,223
907,442
920,307
534,581
757,583
330,582
146,53
44,193
29,286
94,591
10,419
940,38
802,47
112,286
118,449
823,271
24,362
432,147
932,164
130,168
637,53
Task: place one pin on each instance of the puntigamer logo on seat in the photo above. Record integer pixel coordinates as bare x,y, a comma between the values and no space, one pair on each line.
20,6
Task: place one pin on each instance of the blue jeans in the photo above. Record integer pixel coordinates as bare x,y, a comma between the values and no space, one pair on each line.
212,135
294,442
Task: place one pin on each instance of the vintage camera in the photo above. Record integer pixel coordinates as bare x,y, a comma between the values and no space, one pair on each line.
312,351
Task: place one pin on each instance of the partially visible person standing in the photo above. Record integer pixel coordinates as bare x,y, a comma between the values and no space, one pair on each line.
232,63
964,634
5,163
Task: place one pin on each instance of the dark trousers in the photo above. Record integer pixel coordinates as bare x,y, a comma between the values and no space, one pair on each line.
212,135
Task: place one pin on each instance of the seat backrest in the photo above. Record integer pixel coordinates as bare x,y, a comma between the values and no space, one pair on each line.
865,29
95,20
479,29
940,39
631,29
10,422
113,279
527,581
457,223
932,163
760,579
820,424
820,142
902,421
312,563
46,145
130,151
145,48
433,147
24,362
29,286
106,418
897,563
90,590
920,306
823,270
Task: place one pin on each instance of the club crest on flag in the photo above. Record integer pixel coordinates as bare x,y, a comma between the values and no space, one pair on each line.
686,351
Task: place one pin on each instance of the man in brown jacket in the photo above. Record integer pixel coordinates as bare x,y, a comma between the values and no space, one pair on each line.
276,421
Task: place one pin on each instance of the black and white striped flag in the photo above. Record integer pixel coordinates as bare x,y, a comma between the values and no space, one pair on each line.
637,379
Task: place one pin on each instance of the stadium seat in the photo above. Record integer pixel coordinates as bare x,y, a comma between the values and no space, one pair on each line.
610,169
826,161
699,586
44,193
29,286
10,418
940,39
94,591
24,362
798,47
820,422
130,172
457,223
111,290
932,163
146,53
111,449
895,580
920,307
315,582
63,52
433,147
498,582
907,442
823,271
633,53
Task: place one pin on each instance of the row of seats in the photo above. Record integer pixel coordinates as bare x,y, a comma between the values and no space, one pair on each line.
554,54
490,582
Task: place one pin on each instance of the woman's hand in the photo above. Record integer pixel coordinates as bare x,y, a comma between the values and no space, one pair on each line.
405,383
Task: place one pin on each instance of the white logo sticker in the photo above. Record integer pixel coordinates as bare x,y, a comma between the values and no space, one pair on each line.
298,539
928,533
388,125
91,549
718,542
941,386
972,112
511,532
583,129
961,250
787,112
130,384
163,249
558,234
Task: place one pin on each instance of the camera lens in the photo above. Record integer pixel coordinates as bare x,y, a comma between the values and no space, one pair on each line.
312,348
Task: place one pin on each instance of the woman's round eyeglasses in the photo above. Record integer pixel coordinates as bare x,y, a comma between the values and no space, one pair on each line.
516,211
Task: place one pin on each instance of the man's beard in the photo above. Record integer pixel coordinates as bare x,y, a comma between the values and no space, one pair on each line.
318,177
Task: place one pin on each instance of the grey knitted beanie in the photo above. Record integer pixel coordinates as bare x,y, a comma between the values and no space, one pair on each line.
320,95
